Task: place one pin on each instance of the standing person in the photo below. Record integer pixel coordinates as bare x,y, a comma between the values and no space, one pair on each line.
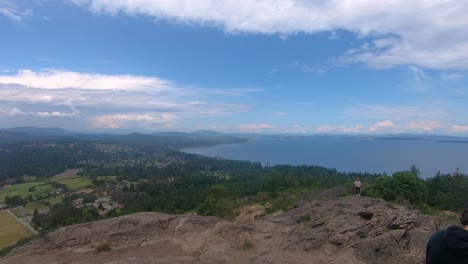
357,187
449,246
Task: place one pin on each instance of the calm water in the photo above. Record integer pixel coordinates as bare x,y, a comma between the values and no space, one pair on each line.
351,155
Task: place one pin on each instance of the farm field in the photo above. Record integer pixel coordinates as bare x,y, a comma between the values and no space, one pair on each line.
55,200
37,189
67,174
75,183
72,180
28,210
10,230
107,178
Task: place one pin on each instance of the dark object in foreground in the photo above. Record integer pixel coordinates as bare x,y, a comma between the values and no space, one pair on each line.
451,245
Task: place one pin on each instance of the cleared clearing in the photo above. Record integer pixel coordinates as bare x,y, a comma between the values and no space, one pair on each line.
10,230
28,210
37,189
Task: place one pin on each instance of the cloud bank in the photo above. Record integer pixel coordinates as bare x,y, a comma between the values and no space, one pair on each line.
430,33
112,101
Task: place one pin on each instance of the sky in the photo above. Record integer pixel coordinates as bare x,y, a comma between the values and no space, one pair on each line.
249,66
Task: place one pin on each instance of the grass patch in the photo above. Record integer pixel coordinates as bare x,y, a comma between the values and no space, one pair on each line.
107,178
247,245
75,183
28,210
68,174
103,247
283,202
55,200
305,218
4,251
38,190
29,178
10,230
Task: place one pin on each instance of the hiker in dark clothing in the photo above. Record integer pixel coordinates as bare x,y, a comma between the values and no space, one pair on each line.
451,245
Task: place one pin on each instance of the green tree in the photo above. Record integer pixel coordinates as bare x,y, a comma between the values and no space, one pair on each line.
410,187
217,191
404,185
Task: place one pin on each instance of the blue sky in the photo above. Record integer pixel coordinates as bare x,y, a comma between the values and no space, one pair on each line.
264,66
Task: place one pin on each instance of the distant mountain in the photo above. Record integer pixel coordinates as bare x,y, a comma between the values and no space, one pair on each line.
172,134
39,131
11,136
208,133
436,138
36,133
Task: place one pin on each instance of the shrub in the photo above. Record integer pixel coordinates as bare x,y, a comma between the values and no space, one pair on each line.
247,245
103,247
305,218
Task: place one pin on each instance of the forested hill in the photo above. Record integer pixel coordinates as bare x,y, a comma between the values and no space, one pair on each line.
44,155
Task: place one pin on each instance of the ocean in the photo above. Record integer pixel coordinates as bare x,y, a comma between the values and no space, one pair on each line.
349,154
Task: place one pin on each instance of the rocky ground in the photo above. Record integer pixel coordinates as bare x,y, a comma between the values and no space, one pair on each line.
350,230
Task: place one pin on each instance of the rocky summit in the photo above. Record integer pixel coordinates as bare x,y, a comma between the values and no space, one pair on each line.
351,230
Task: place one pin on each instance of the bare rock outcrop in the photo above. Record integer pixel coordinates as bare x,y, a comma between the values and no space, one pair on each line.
351,230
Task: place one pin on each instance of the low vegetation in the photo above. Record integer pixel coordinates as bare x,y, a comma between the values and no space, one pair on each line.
247,245
10,230
442,192
75,183
28,210
103,247
29,191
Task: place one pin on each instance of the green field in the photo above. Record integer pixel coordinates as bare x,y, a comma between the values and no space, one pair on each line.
40,190
72,180
28,210
29,178
55,200
75,183
107,178
10,230
68,174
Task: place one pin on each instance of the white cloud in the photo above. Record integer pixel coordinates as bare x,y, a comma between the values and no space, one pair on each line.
340,129
113,101
16,112
280,114
299,129
428,126
429,33
419,81
147,120
117,93
404,52
255,127
12,11
57,114
386,125
452,76
44,114
459,128
60,79
389,126
275,70
396,112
